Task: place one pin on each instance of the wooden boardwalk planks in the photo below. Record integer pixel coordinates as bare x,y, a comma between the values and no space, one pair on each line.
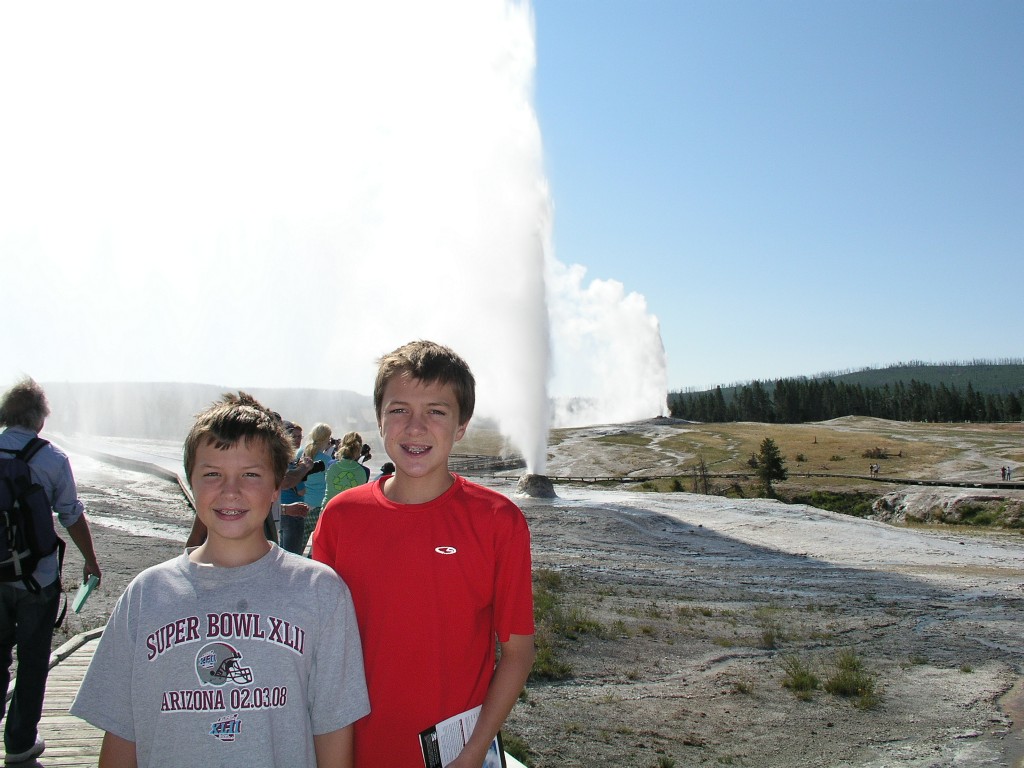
69,741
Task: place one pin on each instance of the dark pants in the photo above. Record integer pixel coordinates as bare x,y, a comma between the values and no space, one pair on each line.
292,535
26,621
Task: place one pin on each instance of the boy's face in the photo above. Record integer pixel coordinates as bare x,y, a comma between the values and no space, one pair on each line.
420,424
233,490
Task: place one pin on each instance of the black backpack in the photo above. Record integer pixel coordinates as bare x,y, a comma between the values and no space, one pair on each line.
27,533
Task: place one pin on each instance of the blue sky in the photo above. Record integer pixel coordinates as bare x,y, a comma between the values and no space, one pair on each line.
795,187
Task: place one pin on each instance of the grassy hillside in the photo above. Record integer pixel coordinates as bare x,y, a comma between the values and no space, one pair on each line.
831,455
986,378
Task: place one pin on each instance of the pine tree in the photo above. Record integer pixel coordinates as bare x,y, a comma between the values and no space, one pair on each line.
770,466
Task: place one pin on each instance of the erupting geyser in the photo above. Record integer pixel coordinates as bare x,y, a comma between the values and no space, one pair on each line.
537,486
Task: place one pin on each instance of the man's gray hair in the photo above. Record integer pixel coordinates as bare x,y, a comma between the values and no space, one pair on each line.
24,405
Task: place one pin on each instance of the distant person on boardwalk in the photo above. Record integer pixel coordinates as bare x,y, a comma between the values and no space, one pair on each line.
320,450
235,652
1002,473
439,569
387,468
346,472
27,617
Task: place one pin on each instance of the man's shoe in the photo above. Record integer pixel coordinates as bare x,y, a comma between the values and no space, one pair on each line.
28,754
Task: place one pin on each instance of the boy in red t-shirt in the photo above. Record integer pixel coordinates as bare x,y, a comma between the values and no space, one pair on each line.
438,568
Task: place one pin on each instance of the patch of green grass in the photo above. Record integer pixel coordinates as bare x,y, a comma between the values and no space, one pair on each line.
977,514
555,623
849,679
855,504
799,678
548,579
771,636
742,686
654,611
625,438
546,664
576,621
516,747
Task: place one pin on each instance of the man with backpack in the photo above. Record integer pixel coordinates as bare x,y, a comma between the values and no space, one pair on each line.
29,601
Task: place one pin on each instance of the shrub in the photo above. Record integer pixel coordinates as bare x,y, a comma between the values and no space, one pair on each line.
976,514
516,747
850,679
799,678
770,636
545,665
875,453
856,504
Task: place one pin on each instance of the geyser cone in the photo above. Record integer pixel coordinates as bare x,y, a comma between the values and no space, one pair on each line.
538,486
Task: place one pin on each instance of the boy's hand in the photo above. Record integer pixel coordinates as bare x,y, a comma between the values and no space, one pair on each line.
295,509
468,759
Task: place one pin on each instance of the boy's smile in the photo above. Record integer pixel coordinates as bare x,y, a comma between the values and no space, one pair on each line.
233,488
420,424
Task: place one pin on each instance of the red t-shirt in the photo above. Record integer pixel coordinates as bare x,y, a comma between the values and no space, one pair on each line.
433,585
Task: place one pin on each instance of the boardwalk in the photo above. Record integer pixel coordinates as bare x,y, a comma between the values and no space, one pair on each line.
69,741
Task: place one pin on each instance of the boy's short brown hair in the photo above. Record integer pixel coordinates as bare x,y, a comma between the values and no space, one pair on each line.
429,363
234,418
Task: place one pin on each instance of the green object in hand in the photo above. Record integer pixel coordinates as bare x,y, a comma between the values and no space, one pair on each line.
83,593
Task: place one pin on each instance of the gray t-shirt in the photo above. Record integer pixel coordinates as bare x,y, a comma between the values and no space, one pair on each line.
201,665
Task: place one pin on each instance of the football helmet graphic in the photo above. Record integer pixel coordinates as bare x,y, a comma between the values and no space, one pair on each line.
217,663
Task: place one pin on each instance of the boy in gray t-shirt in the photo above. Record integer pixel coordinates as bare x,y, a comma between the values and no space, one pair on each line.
236,652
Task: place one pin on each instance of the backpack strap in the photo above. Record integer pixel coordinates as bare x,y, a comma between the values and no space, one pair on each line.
31,448
61,546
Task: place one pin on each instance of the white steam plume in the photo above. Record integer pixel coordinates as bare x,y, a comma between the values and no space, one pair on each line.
275,195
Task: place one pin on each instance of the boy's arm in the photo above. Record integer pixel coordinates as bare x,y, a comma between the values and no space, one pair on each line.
117,752
509,678
334,749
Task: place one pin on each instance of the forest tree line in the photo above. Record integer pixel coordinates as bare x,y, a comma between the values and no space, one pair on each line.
793,401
